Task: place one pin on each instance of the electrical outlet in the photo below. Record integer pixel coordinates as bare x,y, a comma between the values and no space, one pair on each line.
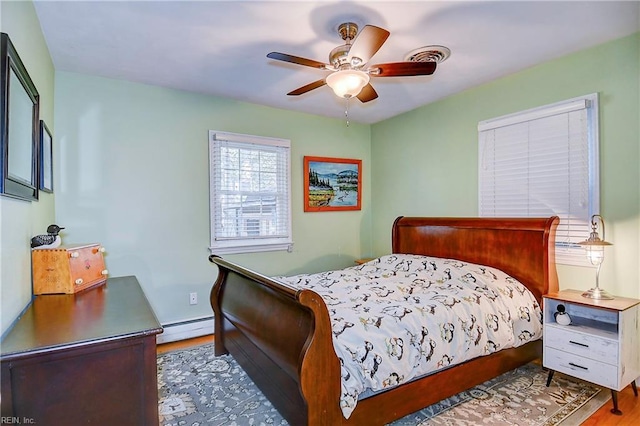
193,298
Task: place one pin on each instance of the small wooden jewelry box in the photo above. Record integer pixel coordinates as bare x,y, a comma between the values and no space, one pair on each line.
68,269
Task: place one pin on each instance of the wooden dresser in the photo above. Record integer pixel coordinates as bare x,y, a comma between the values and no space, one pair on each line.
85,358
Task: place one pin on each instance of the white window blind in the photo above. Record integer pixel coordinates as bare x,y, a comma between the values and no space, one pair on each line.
250,193
544,162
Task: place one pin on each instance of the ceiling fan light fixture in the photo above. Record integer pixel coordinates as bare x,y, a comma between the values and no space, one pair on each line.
347,83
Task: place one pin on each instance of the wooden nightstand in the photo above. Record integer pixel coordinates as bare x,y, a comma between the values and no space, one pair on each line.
363,260
599,346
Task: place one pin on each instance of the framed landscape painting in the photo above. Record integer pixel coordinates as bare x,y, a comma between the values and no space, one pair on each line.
332,184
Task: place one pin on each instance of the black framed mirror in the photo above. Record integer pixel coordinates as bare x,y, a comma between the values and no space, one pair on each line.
19,126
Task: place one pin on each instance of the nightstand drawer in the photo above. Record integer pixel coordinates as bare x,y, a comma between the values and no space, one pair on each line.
592,371
582,345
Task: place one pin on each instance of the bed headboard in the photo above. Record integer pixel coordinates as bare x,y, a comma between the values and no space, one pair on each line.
524,248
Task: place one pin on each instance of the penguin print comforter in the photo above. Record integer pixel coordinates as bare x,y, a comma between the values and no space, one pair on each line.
402,316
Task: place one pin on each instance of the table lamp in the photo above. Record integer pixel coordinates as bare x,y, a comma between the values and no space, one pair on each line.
594,247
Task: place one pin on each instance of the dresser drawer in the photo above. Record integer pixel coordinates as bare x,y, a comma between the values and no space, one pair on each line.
581,344
587,369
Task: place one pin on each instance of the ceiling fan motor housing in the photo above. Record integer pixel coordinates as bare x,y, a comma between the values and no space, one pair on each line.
339,56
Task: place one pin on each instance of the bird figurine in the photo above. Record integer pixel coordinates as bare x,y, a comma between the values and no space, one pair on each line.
49,240
561,316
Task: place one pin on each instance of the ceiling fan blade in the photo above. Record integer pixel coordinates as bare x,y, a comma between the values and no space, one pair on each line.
297,60
368,93
403,69
307,88
367,43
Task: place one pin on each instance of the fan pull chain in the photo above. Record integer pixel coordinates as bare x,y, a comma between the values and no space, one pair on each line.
346,112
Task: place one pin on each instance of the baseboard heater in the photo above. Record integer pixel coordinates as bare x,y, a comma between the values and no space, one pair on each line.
182,330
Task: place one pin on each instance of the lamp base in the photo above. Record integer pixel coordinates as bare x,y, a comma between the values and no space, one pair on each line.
597,293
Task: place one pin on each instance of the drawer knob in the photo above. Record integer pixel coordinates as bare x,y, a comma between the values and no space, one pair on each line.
75,254
79,281
99,249
105,272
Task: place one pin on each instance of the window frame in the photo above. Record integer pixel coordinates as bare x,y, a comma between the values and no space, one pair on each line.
248,244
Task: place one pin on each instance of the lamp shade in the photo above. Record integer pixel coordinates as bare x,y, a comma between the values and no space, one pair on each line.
594,245
347,83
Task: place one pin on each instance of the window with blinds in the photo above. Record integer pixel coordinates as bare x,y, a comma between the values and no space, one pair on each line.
249,193
544,162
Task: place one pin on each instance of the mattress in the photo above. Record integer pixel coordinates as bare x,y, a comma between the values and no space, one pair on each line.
402,316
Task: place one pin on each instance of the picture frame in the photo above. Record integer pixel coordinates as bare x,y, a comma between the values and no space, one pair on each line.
332,184
46,158
19,118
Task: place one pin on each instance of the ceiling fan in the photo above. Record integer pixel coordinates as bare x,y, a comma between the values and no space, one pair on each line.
348,63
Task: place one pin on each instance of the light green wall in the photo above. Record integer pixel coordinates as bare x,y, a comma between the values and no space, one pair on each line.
134,176
425,161
20,220
131,171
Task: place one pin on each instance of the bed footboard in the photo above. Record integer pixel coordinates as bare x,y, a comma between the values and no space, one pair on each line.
281,336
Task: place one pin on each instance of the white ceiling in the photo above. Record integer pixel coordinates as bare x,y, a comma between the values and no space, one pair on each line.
220,47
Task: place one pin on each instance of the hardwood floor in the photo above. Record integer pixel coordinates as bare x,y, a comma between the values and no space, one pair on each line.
184,344
627,402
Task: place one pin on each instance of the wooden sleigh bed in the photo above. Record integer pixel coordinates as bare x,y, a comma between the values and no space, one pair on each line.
282,336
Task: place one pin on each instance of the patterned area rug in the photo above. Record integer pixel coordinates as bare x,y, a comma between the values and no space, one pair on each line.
196,388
